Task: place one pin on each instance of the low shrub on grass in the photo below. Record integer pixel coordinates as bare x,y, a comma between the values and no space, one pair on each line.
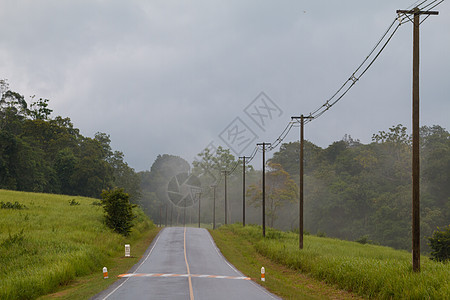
97,203
440,243
73,202
9,205
321,234
364,240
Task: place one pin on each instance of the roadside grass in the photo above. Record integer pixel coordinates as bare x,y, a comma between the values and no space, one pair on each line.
87,286
283,281
368,270
53,241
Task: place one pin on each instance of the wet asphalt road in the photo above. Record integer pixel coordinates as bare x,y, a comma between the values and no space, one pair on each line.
175,267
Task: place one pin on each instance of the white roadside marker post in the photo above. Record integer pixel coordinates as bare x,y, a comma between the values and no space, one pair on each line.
127,250
105,273
263,274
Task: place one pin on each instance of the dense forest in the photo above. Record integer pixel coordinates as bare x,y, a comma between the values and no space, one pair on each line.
355,191
39,153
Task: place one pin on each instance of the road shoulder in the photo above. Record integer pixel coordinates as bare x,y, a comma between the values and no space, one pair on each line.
280,280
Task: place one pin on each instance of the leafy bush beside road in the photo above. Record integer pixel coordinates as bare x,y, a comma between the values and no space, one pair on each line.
118,210
440,243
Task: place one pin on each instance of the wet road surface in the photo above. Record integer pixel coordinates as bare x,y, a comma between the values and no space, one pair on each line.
184,263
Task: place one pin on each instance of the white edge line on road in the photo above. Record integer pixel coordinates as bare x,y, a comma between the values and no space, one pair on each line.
148,255
221,255
151,250
237,271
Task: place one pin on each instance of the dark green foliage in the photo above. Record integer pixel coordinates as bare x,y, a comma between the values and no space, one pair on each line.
39,110
364,240
118,210
440,244
9,205
73,202
289,157
273,234
43,154
125,176
321,234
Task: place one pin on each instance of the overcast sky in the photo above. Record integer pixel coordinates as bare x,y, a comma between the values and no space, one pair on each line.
172,76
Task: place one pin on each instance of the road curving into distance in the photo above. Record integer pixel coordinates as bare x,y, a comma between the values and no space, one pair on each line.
184,263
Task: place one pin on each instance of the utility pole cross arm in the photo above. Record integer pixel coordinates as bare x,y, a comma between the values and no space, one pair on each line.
307,117
417,11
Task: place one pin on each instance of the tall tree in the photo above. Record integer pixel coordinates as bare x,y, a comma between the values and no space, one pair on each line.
280,189
125,177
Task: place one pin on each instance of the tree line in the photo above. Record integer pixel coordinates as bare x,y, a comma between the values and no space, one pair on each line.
355,190
39,153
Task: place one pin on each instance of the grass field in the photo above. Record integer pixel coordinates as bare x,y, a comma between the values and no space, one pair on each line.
367,270
53,240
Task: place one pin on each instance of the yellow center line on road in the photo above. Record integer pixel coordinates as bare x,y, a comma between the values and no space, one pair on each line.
191,292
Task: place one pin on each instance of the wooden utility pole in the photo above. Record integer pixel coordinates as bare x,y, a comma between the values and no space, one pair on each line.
264,186
225,172
415,153
184,213
160,215
199,198
214,205
243,189
300,212
165,223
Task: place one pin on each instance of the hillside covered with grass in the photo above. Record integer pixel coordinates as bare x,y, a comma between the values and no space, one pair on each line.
364,269
48,240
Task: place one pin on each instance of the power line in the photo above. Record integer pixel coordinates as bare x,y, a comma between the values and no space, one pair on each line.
282,136
429,4
430,10
354,77
346,86
415,4
351,81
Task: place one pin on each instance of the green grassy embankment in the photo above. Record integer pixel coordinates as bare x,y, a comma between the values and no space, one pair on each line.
367,270
56,239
